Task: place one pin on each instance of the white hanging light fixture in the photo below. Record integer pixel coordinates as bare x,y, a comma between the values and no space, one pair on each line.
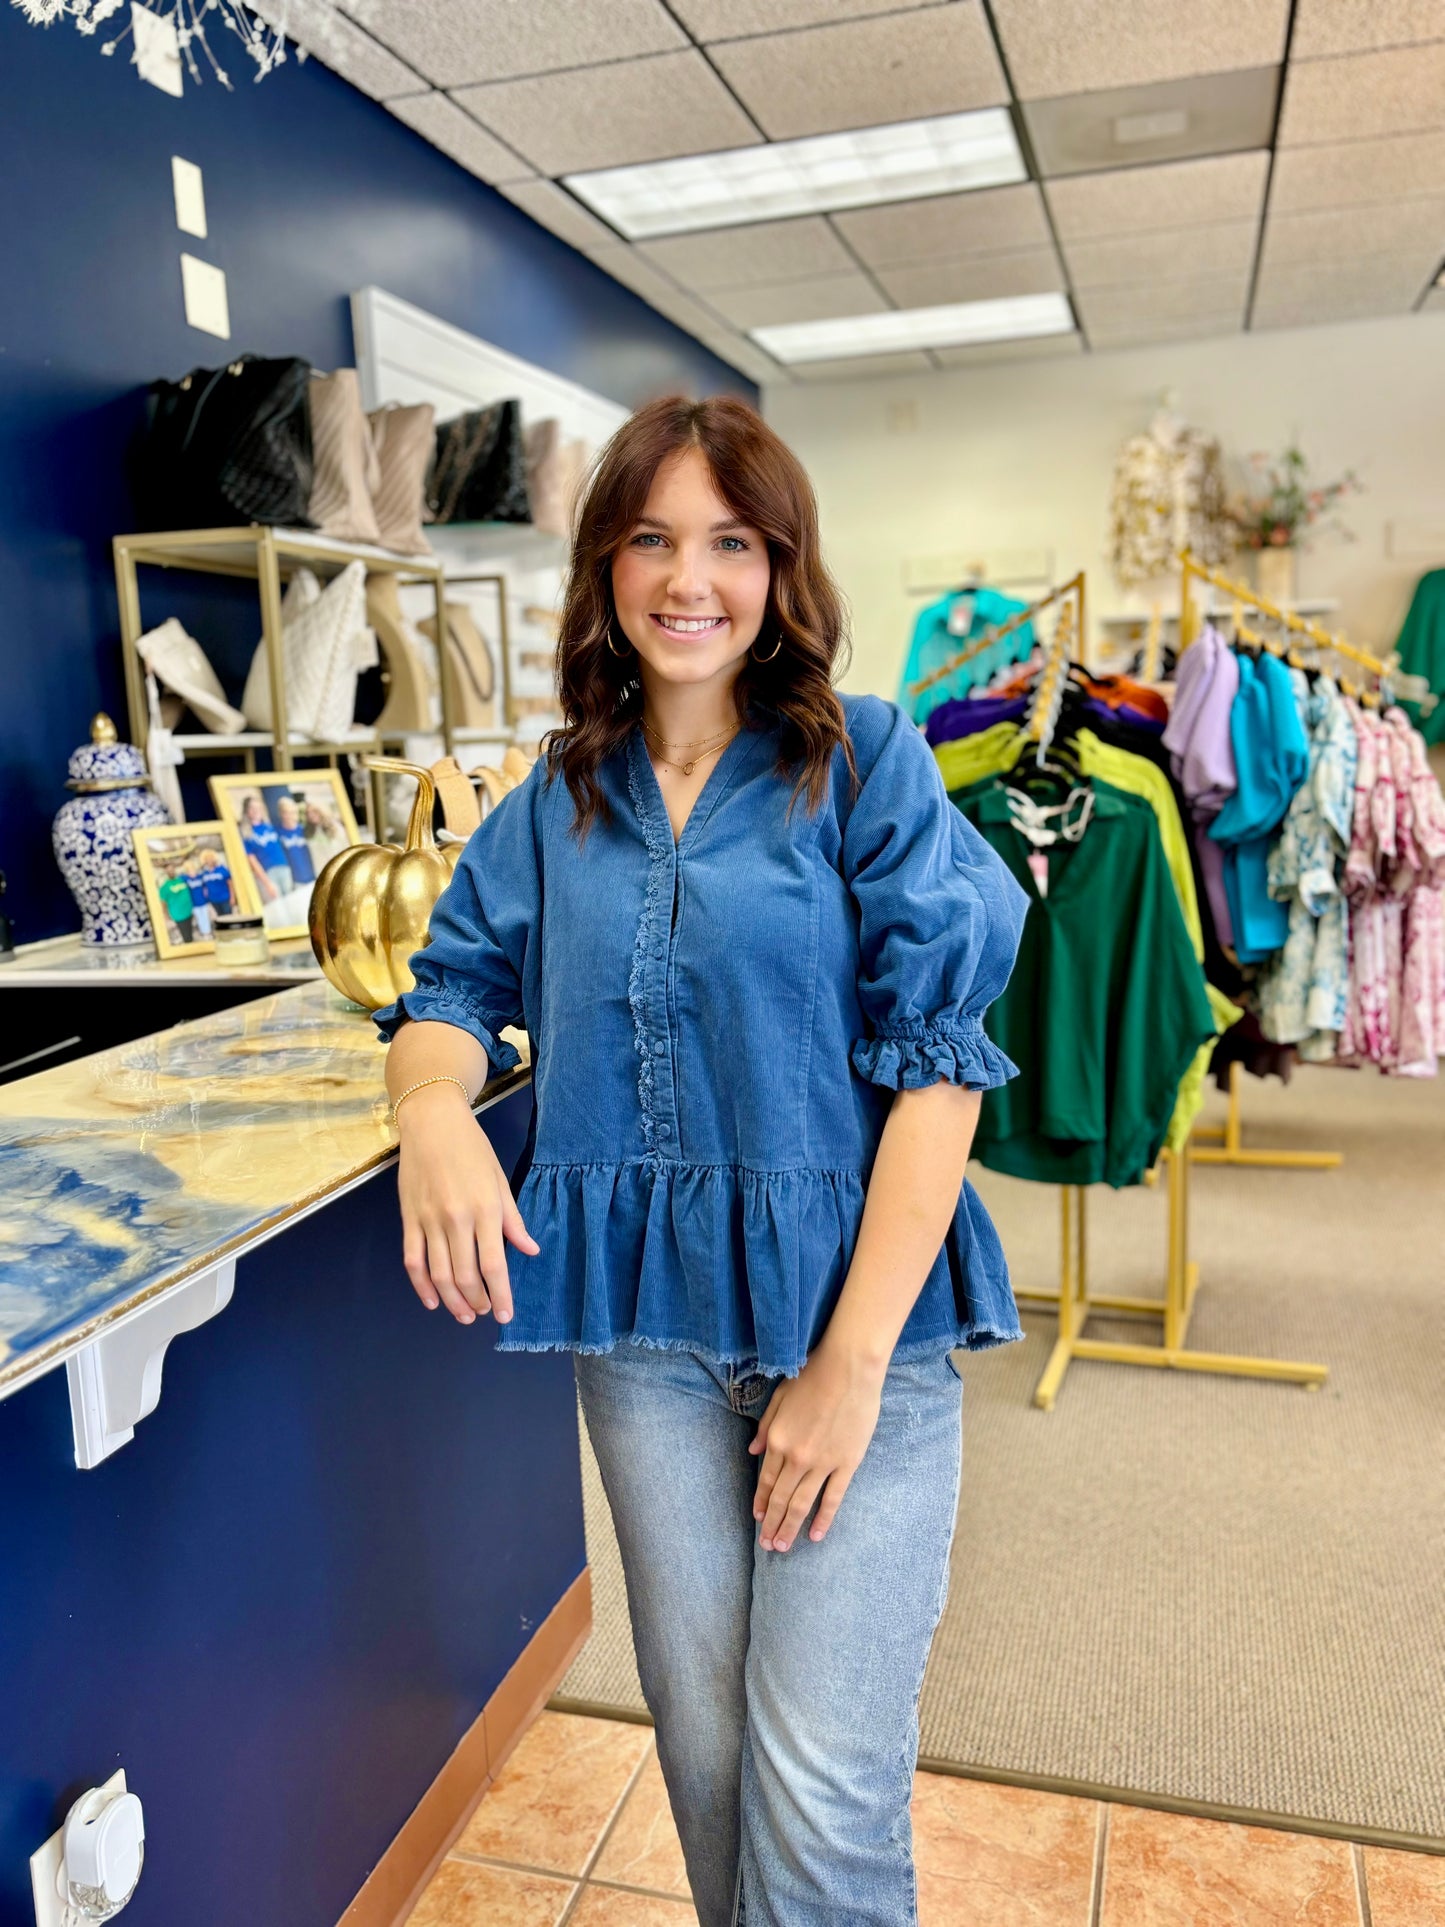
261,29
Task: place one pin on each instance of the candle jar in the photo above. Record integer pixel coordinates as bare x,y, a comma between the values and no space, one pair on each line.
241,939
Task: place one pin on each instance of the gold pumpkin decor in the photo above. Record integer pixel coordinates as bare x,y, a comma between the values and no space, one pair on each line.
372,903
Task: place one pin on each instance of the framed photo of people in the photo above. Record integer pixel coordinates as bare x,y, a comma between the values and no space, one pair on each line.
192,873
290,824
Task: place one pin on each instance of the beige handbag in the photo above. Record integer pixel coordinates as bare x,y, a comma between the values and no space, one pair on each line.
473,676
408,707
179,662
347,467
404,439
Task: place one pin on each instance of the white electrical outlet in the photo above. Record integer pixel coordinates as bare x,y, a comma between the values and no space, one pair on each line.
46,1865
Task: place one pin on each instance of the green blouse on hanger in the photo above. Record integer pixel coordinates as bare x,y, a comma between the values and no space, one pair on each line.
1106,1006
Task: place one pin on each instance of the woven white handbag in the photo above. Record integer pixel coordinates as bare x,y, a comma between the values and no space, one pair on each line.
325,644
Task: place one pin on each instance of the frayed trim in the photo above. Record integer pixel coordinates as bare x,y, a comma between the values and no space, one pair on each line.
981,1338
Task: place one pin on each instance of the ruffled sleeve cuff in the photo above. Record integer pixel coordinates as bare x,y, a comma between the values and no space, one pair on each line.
953,1053
445,1007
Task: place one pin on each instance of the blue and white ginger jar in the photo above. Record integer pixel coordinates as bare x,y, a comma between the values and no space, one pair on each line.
92,836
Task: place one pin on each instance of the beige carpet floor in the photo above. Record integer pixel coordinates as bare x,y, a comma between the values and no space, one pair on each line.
1205,1589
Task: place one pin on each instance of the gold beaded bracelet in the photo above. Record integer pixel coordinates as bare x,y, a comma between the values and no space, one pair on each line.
421,1084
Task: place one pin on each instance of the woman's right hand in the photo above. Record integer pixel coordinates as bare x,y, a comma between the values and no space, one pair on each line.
456,1208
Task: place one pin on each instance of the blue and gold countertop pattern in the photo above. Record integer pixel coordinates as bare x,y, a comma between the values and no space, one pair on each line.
124,1172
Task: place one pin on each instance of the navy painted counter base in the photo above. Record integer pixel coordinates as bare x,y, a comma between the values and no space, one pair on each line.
285,1602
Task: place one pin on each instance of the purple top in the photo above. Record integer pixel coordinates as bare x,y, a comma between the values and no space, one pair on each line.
1197,735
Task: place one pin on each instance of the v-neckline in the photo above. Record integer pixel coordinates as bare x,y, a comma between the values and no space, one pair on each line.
695,814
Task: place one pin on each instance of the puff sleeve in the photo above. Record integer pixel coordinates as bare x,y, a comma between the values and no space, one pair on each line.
939,917
485,925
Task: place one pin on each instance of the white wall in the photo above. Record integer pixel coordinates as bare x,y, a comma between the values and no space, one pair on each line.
1019,455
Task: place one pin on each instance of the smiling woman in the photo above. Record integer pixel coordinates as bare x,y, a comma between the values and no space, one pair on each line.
755,1237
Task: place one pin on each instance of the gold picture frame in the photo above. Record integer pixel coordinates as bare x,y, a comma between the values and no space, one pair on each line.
183,891
280,865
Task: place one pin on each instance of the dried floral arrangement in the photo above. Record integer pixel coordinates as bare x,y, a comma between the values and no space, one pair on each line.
1277,511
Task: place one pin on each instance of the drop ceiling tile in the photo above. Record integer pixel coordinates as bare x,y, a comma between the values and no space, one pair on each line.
751,256
749,359
1358,26
641,110
732,19
1133,200
1183,255
1434,301
1372,284
1399,91
626,265
992,220
1073,46
553,207
1208,297
1148,334
819,299
446,126
1166,120
860,73
1316,311
470,40
1406,228
1402,167
344,47
864,367
1040,348
987,277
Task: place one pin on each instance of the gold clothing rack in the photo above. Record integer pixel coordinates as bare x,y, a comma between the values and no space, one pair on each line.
1224,1144
1071,592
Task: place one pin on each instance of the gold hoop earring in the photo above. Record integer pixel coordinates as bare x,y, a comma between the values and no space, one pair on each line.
775,648
623,654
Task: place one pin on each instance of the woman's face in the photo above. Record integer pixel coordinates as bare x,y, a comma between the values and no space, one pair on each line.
252,809
690,583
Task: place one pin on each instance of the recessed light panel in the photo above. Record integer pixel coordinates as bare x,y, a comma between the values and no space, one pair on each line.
1017,317
869,165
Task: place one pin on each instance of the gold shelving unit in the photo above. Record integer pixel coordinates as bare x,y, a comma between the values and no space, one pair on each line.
269,557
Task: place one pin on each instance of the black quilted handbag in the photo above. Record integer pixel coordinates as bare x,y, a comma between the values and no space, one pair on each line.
227,446
479,469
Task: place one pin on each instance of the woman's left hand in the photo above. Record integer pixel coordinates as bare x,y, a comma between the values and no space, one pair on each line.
813,1434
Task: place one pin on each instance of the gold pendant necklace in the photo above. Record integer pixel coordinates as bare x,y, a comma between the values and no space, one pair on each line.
688,768
703,748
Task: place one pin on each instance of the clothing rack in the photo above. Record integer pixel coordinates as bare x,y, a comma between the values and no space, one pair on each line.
1224,1144
1069,594
1075,1301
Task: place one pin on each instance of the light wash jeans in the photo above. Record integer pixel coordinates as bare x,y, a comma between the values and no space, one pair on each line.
784,1686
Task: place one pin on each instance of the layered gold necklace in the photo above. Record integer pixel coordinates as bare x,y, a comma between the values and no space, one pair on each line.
704,748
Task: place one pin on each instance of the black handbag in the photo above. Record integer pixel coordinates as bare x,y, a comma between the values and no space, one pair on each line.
227,446
479,469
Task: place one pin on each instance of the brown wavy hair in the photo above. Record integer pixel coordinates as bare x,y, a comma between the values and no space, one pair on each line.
765,485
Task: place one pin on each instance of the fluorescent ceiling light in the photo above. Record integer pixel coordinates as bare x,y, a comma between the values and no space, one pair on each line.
1011,319
903,162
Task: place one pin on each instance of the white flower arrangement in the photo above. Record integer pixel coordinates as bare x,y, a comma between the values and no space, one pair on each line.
262,31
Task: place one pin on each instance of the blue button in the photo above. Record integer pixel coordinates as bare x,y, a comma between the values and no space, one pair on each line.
660,951
659,1049
664,1129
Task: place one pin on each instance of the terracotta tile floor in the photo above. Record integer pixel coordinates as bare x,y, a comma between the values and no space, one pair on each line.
577,1830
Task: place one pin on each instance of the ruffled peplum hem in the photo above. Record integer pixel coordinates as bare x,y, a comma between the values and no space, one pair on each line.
743,1267
954,1054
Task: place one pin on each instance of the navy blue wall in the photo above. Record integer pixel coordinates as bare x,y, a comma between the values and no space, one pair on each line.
312,190
283,1603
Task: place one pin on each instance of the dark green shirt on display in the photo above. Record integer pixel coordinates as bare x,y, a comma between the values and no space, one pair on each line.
1106,1006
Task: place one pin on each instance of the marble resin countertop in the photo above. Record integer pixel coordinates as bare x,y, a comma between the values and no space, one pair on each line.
126,1171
